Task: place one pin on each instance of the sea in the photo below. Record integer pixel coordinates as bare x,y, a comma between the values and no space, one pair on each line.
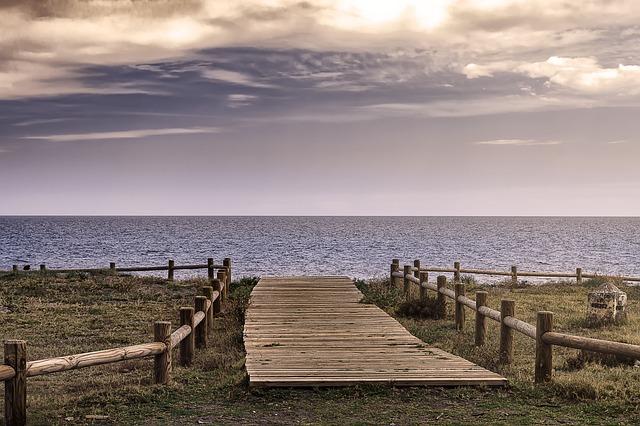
359,247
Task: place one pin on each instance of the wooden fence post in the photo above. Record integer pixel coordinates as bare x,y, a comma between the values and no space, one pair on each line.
579,276
170,271
407,283
459,312
416,273
514,276
456,274
544,351
201,329
441,300
507,309
43,267
481,321
392,280
15,389
222,276
217,304
162,362
112,267
207,291
424,278
187,347
210,272
227,263
14,268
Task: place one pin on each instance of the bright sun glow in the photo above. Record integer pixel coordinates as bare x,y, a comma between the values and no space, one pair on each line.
421,14
424,14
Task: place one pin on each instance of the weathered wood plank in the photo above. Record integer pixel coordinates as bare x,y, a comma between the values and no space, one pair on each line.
313,331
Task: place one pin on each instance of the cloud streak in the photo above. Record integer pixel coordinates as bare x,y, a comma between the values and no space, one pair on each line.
517,142
234,77
123,134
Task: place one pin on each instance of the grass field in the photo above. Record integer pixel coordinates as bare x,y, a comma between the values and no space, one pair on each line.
78,313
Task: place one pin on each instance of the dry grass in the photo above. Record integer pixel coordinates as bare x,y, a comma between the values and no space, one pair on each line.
577,376
81,313
60,316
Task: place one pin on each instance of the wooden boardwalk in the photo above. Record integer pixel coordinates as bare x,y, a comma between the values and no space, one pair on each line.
313,331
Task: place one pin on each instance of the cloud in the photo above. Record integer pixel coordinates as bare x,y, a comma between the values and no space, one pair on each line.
123,134
40,121
328,48
517,142
618,142
580,74
236,100
479,105
234,77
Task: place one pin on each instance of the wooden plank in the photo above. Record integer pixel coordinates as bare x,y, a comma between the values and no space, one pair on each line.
313,331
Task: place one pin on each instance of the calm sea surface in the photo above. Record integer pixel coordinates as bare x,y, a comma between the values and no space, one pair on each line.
355,246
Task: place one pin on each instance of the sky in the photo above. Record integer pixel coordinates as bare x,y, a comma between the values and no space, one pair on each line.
320,107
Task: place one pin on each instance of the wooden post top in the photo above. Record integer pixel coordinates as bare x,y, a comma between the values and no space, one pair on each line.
507,307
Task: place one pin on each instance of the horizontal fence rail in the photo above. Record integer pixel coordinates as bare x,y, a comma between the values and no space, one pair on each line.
170,268
514,273
196,326
542,332
90,359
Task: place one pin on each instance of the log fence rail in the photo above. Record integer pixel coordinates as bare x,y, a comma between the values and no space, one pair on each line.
170,268
514,274
542,332
196,326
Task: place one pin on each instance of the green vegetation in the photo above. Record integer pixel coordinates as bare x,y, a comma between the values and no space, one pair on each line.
577,376
64,315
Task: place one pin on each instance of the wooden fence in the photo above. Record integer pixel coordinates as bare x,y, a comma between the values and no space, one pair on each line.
542,332
170,267
196,325
514,274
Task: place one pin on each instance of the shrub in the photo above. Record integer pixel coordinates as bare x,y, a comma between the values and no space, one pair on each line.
418,308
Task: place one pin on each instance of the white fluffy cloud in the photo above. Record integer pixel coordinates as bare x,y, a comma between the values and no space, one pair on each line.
580,74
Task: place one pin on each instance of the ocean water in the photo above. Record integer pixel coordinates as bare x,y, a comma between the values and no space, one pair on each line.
353,246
